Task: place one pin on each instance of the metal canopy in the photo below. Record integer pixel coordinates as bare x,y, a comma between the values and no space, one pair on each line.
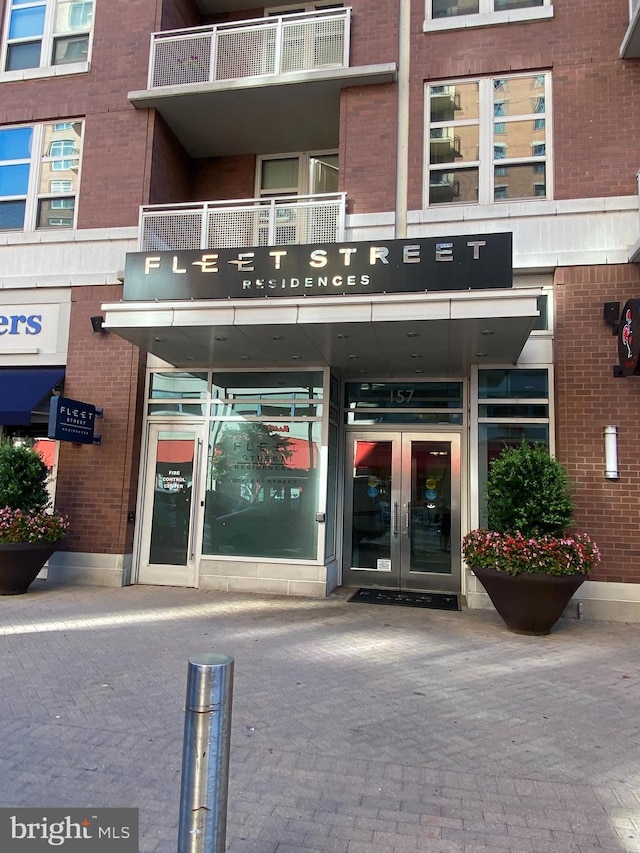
392,336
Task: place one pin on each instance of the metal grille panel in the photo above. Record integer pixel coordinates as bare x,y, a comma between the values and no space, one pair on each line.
229,229
182,60
246,53
171,231
313,44
259,222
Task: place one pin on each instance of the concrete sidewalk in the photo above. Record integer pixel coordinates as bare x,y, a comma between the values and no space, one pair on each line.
356,728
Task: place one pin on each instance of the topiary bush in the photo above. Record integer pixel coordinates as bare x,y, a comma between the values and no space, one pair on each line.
23,479
528,491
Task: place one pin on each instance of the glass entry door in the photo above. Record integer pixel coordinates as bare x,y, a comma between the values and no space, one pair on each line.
169,538
402,511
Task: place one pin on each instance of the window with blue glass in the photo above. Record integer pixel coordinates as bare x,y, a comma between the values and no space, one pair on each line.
39,167
43,33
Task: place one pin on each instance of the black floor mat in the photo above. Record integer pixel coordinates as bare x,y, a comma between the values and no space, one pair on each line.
431,600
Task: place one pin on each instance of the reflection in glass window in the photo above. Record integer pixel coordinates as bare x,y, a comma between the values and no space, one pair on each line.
513,384
492,439
449,8
471,121
262,489
42,33
267,386
45,149
169,386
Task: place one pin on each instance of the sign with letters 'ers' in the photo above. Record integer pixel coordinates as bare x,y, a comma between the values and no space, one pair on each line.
389,266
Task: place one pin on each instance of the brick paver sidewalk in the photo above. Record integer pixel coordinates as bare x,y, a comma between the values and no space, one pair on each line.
356,728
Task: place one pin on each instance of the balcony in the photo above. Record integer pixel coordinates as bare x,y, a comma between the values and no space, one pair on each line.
256,86
630,47
285,220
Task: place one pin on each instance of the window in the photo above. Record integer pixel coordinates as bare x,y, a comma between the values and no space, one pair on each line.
459,13
42,33
487,129
31,195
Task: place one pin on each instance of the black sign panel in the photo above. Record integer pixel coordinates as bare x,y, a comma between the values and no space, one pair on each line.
388,266
71,420
629,338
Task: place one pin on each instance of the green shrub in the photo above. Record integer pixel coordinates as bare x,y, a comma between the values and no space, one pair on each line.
528,491
23,478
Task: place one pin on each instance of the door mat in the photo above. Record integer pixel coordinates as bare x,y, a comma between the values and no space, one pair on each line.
430,600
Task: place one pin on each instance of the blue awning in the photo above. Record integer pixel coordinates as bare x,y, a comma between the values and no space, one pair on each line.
21,389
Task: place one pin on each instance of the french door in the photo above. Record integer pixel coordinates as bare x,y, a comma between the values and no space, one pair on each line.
169,542
402,511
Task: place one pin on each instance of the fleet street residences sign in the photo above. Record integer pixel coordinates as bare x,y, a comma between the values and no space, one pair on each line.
391,266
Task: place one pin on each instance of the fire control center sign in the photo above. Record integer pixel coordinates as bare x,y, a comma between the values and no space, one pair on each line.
390,266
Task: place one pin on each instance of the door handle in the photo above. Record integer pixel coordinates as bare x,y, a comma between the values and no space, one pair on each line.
195,492
395,518
408,518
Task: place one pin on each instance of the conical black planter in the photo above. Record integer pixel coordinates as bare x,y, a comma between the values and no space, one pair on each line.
20,564
528,603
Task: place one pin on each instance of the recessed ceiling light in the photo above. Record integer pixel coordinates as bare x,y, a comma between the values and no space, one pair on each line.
413,335
191,358
481,355
276,337
416,355
487,332
342,337
244,358
354,357
160,340
418,371
220,338
296,357
362,372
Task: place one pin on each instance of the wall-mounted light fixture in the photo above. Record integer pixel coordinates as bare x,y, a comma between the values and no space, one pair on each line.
611,452
97,323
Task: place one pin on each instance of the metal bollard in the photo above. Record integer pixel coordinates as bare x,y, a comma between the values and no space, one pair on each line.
205,757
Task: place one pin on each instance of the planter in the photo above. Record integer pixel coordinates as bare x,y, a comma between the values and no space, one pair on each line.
20,564
528,603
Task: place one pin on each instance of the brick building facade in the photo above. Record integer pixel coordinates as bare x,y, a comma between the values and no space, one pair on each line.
423,130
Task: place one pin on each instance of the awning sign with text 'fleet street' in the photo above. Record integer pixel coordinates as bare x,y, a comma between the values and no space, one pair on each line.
389,266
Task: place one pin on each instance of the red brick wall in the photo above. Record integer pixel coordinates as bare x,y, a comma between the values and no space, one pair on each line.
171,167
588,398
96,484
596,109
224,177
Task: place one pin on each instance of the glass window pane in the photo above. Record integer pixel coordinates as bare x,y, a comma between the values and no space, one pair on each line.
73,16
74,49
459,101
450,143
525,180
492,439
27,22
385,395
521,137
175,453
12,215
15,144
187,409
21,56
519,95
446,8
280,174
14,180
262,490
505,384
460,185
267,386
55,213
531,410
500,5
169,386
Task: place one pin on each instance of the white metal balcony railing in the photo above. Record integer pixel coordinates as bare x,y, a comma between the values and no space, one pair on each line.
257,47
286,220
